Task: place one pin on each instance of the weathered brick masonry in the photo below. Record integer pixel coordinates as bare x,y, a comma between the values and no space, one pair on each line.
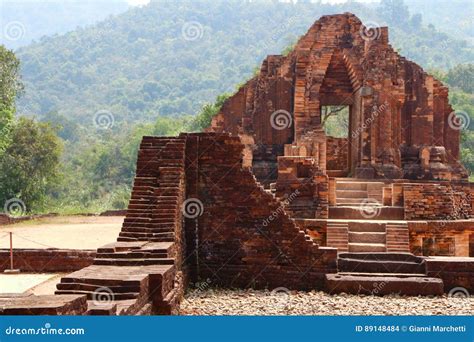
253,242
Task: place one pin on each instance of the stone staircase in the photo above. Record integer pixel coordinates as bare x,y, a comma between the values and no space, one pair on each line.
352,192
362,200
382,274
140,273
366,237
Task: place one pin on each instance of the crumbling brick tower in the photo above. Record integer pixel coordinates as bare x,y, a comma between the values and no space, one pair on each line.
400,123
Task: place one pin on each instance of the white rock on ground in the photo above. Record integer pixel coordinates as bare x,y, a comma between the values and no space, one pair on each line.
252,302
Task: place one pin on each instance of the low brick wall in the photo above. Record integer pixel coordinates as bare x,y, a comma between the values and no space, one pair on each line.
47,260
455,272
448,238
429,201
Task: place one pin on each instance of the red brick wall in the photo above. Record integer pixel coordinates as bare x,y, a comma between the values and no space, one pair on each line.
337,153
429,201
455,273
245,238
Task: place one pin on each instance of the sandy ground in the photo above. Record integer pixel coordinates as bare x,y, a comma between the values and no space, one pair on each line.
252,302
75,232
19,283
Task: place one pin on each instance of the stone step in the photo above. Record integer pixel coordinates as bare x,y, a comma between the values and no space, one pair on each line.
350,185
147,230
91,295
133,255
367,237
340,194
404,257
376,266
367,227
367,247
92,287
352,202
355,213
383,285
134,261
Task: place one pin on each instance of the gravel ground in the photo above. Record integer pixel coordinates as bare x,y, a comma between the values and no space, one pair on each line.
283,302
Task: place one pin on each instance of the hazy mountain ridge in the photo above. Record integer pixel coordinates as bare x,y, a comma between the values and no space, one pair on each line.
140,64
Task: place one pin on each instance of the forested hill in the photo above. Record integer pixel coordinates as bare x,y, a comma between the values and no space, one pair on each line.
23,21
169,58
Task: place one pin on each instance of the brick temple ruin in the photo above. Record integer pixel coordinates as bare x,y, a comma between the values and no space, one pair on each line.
266,198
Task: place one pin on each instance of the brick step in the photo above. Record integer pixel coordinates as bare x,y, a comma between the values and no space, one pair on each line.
142,206
351,194
367,237
170,170
377,266
91,287
91,294
355,213
347,185
143,188
350,201
405,257
148,224
134,261
140,254
367,247
143,234
147,230
383,285
367,227
162,239
101,282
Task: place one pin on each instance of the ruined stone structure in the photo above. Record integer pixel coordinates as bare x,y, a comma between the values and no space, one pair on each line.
266,199
399,123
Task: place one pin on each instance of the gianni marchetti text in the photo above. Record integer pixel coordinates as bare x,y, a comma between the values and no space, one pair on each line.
438,328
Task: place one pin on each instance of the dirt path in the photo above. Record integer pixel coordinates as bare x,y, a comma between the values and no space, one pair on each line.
75,232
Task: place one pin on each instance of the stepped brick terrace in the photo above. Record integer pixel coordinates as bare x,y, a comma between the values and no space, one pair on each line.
265,198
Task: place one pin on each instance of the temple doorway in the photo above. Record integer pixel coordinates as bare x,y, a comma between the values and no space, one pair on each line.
335,121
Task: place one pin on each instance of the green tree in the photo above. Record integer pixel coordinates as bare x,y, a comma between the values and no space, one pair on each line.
462,76
208,111
29,168
9,88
